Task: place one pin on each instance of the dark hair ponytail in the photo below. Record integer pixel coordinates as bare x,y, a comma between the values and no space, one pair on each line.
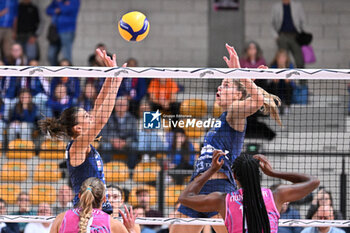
62,127
255,218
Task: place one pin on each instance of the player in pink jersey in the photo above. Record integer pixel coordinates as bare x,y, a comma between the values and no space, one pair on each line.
251,208
89,217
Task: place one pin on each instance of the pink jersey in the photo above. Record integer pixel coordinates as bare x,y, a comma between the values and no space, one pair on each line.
98,223
234,211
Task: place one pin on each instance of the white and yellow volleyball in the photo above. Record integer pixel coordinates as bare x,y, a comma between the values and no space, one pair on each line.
133,26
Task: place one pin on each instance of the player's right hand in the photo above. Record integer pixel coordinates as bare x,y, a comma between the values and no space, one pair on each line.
217,160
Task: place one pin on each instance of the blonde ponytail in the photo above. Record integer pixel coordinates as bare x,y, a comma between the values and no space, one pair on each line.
92,192
270,106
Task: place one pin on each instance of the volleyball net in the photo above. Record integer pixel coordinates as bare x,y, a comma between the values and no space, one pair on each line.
156,132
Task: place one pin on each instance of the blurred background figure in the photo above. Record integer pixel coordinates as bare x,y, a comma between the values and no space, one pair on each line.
6,227
322,212
64,15
23,117
28,29
288,19
8,26
24,208
64,199
44,209
116,198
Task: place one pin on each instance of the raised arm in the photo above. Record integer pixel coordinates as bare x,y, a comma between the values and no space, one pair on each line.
302,184
243,108
215,201
101,116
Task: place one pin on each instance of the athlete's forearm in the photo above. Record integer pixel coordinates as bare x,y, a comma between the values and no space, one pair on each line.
253,91
103,92
197,184
291,176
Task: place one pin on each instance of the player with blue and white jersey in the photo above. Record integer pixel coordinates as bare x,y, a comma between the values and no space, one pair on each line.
82,127
239,99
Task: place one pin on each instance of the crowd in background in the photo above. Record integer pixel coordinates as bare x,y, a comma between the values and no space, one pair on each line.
25,100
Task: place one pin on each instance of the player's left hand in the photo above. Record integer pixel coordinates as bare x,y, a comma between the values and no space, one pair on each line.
217,160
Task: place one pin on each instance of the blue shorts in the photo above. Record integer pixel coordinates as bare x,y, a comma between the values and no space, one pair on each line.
217,185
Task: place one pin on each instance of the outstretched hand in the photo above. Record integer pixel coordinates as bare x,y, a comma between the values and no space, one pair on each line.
128,218
108,61
265,164
233,61
217,163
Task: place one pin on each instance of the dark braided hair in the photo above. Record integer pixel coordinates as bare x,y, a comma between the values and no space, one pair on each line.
246,170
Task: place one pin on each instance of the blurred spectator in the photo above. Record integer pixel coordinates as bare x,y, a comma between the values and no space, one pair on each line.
253,58
162,93
39,88
120,132
27,30
8,26
115,197
282,60
144,199
149,139
8,93
324,198
324,212
283,88
16,57
134,88
4,226
72,84
88,97
59,101
140,211
288,212
288,20
2,122
64,197
23,117
182,154
24,208
64,16
44,209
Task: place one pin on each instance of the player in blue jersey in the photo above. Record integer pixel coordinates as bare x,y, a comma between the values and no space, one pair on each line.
83,160
239,99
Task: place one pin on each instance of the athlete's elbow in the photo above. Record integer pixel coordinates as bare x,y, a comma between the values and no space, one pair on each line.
315,182
183,198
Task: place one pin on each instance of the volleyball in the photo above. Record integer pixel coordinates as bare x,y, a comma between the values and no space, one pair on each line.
133,26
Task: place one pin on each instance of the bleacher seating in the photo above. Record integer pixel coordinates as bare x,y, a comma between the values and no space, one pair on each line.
116,171
47,172
25,149
14,171
9,192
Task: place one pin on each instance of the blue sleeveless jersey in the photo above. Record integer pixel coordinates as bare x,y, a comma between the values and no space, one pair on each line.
223,138
91,167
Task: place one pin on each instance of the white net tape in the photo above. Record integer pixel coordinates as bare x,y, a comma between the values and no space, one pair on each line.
189,221
159,72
